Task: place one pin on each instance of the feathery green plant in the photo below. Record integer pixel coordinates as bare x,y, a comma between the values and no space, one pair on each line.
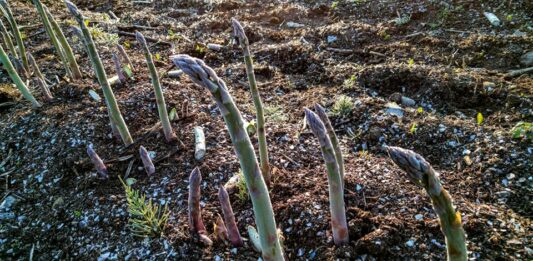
335,185
113,109
333,137
16,33
69,54
147,219
204,76
16,78
343,106
7,39
420,172
159,97
242,40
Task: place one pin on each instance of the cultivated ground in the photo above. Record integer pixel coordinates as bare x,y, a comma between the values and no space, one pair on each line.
444,55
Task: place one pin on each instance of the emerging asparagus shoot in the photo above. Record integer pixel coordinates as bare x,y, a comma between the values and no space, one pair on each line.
7,40
229,218
147,161
204,76
16,33
336,193
111,102
242,40
16,78
97,161
196,224
333,137
160,98
420,172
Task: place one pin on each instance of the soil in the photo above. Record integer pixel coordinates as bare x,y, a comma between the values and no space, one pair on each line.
448,58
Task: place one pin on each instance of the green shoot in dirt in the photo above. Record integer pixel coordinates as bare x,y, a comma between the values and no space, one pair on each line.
6,10
343,106
242,40
8,66
274,113
479,119
350,83
523,130
420,172
146,218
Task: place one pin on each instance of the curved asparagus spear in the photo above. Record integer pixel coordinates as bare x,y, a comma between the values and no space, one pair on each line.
113,109
420,172
159,97
241,38
336,193
204,76
229,218
69,54
40,78
333,137
7,40
16,33
16,78
53,37
97,161
118,68
196,224
124,55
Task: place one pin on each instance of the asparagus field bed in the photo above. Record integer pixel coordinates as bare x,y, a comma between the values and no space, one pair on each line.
304,53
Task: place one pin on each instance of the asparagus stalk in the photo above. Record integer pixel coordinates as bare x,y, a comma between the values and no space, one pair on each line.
19,67
16,33
97,161
229,218
46,91
124,55
242,40
199,143
336,193
204,76
147,161
53,37
7,40
420,172
113,109
196,224
40,78
118,68
16,78
69,54
333,137
160,98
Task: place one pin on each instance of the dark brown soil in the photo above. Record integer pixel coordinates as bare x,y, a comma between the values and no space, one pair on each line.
448,58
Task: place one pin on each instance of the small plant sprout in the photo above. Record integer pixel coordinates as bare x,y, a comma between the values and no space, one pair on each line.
6,10
411,62
69,54
333,137
350,83
118,68
147,219
343,106
97,162
420,172
336,193
523,130
199,143
147,161
204,76
113,110
196,223
479,119
124,55
220,230
242,40
160,99
229,218
413,128
21,86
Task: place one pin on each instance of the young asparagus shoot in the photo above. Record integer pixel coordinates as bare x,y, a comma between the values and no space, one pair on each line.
147,161
196,224
159,97
321,112
124,55
229,218
254,238
4,6
111,101
69,54
336,193
118,68
53,36
242,40
420,172
199,143
16,78
7,40
97,162
204,76
47,95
